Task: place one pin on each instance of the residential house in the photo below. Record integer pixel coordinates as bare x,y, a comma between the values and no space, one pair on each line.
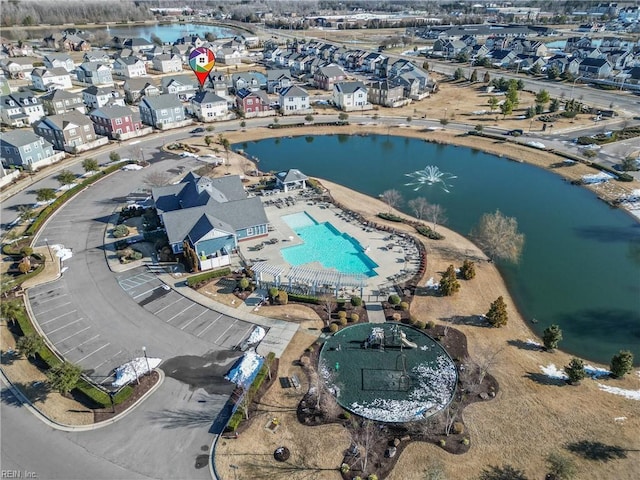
20,109
129,67
73,42
253,104
5,88
502,58
182,51
46,79
53,41
72,132
167,63
138,44
211,215
326,77
59,60
163,111
190,40
61,101
220,86
246,80
388,93
278,79
116,122
371,60
18,67
25,150
99,56
94,73
97,97
209,107
528,47
595,68
294,100
349,96
448,48
20,49
136,88
184,86
229,56
564,64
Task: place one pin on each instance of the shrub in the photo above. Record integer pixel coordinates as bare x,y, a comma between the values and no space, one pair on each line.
136,255
283,297
372,476
196,279
243,283
449,283
396,317
429,232
431,324
394,299
420,325
333,328
345,415
443,442
342,321
621,363
342,314
551,337
354,317
26,251
390,217
120,231
404,306
273,293
356,301
497,314
458,428
465,441
468,270
344,468
294,297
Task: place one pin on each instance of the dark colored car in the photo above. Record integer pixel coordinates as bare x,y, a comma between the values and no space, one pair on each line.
197,130
515,133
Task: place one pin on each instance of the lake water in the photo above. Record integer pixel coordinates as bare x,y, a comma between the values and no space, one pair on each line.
580,267
172,31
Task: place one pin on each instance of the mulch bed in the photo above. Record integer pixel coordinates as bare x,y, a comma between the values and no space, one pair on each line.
146,383
396,437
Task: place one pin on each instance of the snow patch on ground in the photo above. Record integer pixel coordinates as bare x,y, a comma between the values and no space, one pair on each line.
596,178
431,284
630,394
137,367
619,419
257,335
131,167
64,188
61,252
533,343
552,371
595,372
244,372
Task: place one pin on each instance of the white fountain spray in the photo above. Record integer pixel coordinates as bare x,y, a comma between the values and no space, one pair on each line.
430,175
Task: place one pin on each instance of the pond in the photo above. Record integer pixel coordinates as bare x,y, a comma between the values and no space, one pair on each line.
580,267
170,32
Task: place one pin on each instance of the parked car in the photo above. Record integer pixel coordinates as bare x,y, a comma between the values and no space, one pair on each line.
515,133
197,130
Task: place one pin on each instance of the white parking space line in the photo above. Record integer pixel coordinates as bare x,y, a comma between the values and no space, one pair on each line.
79,345
56,318
71,336
51,309
51,299
65,326
180,313
95,351
246,333
223,333
206,328
192,320
144,293
110,358
167,306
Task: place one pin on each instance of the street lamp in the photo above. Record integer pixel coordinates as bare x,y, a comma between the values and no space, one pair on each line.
144,350
574,85
48,248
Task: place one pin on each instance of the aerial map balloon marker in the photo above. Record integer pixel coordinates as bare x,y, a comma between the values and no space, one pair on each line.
201,61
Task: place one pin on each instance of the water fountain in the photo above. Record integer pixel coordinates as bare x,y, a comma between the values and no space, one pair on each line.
430,175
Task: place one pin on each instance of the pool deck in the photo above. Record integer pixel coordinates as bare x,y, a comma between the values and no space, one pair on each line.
391,261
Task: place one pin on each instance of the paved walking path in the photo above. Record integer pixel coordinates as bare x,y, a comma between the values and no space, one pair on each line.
375,313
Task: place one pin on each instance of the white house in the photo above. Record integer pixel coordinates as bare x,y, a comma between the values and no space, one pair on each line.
209,107
20,109
97,97
294,100
349,96
46,79
129,67
167,63
56,60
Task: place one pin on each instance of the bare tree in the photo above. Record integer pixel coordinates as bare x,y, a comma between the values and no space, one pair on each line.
364,436
392,198
158,179
328,304
484,360
498,236
435,214
419,207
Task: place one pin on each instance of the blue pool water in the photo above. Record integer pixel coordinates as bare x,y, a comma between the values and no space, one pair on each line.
325,244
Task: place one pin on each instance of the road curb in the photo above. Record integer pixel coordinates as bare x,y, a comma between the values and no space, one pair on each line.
76,428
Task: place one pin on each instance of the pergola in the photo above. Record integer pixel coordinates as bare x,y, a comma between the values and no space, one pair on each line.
261,268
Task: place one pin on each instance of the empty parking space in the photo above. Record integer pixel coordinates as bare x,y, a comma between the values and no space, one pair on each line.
181,312
72,335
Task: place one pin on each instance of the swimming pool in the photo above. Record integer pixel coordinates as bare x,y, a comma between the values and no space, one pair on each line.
325,244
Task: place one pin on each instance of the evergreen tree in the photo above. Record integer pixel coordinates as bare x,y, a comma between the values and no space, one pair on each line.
497,314
30,344
468,270
551,337
621,363
575,371
449,283
64,377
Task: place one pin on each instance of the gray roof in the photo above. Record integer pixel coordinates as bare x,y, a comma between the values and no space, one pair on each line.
291,175
350,87
64,120
60,94
294,91
57,56
19,98
95,90
112,112
331,71
20,138
207,97
276,74
197,205
91,66
166,100
182,79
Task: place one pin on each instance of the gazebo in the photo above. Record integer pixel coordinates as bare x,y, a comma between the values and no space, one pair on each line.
291,179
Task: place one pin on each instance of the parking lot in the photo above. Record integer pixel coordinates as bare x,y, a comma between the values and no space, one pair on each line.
146,289
74,336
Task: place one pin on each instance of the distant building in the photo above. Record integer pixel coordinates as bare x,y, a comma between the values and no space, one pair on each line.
96,97
94,73
20,109
62,101
349,96
253,104
209,107
129,67
46,79
59,60
326,77
167,63
136,88
294,100
116,122
163,111
25,150
72,132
